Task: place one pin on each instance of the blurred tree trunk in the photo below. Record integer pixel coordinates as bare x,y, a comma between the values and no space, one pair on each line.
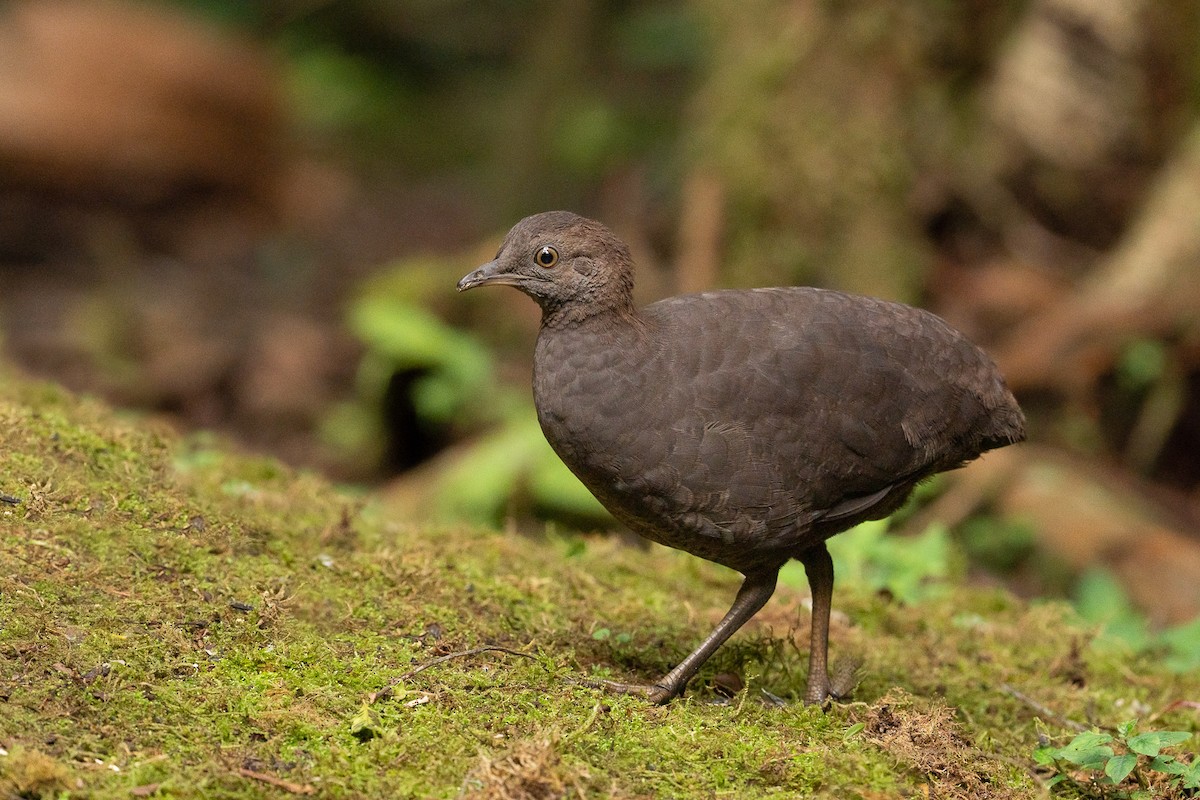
1087,99
1149,285
552,64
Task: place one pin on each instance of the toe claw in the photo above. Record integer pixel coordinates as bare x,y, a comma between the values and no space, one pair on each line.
659,694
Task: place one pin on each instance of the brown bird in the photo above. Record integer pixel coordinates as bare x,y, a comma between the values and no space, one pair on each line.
745,427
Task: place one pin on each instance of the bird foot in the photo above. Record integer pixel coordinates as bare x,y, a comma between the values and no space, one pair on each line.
818,696
655,693
836,687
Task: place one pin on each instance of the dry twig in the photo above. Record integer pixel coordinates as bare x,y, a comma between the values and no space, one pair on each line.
287,786
1044,710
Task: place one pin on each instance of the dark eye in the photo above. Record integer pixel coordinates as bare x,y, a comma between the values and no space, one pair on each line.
546,257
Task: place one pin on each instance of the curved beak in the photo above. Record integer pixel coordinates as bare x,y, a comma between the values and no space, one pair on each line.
491,272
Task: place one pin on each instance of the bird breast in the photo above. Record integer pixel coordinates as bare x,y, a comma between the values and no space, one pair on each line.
641,428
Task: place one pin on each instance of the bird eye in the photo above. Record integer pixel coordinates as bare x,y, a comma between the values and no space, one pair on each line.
546,257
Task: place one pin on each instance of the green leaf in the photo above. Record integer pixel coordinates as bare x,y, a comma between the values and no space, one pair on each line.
1089,750
1191,775
1151,742
1126,729
365,725
1167,765
1087,739
1119,767
1045,755
1092,758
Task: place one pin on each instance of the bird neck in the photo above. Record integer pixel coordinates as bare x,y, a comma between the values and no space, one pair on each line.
569,314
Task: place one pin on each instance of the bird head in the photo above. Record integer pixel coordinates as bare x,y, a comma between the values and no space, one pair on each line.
572,266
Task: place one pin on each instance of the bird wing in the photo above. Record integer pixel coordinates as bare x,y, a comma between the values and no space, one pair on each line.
823,397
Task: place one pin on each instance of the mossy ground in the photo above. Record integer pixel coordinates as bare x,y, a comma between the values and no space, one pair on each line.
178,621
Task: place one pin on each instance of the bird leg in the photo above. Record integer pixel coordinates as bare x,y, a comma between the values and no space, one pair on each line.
818,566
755,592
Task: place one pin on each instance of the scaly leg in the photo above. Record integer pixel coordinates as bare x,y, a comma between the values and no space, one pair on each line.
755,592
818,566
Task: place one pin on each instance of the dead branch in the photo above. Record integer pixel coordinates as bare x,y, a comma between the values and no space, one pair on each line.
287,786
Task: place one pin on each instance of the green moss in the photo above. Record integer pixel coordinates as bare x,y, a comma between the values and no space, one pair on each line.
176,616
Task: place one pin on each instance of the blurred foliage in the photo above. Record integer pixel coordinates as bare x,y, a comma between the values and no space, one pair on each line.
1101,600
1142,363
449,368
818,117
542,101
508,469
910,569
402,337
999,544
334,94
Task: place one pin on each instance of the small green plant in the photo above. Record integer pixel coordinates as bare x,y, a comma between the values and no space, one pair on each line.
1126,765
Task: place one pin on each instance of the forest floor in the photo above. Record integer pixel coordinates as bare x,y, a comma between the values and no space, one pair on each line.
179,620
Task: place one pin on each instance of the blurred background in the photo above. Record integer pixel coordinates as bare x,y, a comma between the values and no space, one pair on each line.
249,216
